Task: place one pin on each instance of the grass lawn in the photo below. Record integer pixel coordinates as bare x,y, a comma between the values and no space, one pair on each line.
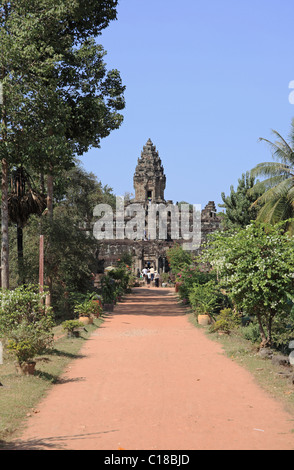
20,395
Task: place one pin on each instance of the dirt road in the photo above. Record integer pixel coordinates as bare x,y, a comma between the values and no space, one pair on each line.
149,380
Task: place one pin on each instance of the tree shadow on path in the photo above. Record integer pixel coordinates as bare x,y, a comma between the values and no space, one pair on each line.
152,302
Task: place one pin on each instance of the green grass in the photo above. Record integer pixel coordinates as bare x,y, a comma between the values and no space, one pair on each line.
272,378
20,395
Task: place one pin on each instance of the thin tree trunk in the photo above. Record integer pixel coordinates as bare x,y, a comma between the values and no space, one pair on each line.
50,212
20,254
4,226
264,339
4,183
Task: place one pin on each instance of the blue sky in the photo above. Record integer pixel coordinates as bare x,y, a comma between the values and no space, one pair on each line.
205,80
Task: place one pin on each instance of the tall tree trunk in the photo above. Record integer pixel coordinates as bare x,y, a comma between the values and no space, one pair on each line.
264,338
4,181
20,254
4,226
50,213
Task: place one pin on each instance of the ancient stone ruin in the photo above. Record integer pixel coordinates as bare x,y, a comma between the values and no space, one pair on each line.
149,185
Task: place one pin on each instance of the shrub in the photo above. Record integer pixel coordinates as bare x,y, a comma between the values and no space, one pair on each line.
25,323
188,277
226,321
251,332
255,266
71,326
25,342
178,258
206,298
108,289
86,308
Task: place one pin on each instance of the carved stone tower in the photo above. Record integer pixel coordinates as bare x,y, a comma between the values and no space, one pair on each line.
149,178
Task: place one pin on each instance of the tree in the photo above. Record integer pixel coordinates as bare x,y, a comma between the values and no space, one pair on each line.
58,99
70,248
277,200
79,192
238,205
23,201
178,258
255,265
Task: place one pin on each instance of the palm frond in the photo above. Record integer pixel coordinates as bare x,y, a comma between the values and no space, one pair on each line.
262,186
290,196
276,192
272,169
276,210
20,208
281,150
283,143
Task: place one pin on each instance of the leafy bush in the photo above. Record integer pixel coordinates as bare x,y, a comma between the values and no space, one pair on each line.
188,277
206,298
178,258
122,276
251,332
283,331
108,289
25,323
86,308
25,342
255,267
226,321
71,326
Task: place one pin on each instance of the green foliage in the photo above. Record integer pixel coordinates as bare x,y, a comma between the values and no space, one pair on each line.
87,308
178,258
255,265
226,321
283,331
71,325
69,258
77,192
238,205
122,275
189,276
251,332
277,200
126,260
108,290
58,97
206,298
25,323
165,277
116,282
25,304
57,90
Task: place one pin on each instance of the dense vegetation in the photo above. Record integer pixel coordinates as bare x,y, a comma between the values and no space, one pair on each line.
244,275
57,101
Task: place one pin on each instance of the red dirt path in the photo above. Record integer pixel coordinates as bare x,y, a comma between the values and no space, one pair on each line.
149,380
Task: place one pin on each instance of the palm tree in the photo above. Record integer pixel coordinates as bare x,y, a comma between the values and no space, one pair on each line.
277,199
23,201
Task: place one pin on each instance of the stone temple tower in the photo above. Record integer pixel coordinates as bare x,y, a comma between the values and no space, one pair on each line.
149,178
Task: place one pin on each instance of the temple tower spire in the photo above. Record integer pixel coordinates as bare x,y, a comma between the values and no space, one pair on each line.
149,178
